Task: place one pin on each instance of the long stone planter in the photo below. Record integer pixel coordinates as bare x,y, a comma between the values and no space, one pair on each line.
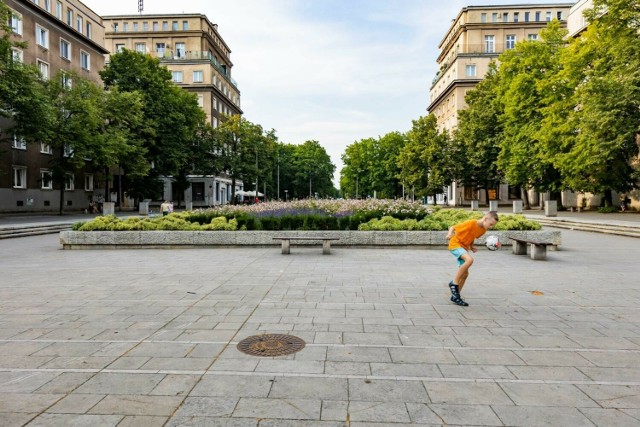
188,239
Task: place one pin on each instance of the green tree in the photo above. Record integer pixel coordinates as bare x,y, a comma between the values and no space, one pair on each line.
593,124
425,159
524,160
314,170
174,133
23,99
477,139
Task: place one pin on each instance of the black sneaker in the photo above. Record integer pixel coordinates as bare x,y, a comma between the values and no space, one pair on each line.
455,293
459,301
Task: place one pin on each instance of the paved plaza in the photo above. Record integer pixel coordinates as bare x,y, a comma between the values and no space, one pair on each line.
148,337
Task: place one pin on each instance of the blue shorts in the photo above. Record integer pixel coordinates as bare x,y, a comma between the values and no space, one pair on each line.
458,252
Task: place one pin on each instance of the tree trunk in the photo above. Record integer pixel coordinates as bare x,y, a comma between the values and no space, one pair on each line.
525,198
607,199
557,196
61,183
486,196
107,196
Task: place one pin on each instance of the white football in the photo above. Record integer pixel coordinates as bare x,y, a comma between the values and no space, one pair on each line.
492,243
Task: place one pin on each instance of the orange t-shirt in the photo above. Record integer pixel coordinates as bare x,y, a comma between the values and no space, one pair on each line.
466,233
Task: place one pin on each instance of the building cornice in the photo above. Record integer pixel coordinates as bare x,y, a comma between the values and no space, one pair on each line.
449,89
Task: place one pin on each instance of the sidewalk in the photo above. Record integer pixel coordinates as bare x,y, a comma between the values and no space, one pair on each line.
148,337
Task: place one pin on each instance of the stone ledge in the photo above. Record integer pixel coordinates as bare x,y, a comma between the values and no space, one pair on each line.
189,239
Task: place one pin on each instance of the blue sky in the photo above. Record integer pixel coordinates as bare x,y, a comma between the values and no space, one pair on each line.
335,71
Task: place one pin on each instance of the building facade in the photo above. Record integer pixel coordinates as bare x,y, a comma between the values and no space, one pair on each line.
199,60
477,36
60,35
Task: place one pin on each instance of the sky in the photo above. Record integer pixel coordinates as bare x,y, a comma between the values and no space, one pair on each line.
334,71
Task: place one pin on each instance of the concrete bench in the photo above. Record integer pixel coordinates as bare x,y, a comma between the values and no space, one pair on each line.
326,243
538,247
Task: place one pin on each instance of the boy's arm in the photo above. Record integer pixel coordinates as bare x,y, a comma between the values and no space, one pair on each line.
451,232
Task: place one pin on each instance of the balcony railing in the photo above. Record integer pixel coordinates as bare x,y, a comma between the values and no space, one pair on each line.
193,55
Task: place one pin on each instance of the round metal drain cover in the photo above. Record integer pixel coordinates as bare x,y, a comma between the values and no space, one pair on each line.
271,345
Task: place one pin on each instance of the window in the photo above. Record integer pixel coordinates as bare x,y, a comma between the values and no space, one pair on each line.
88,182
559,16
135,27
537,16
66,81
17,55
198,76
176,76
160,49
115,27
65,49
35,2
69,182
483,18
180,50
15,22
79,23
214,122
201,101
494,17
185,25
532,37
548,17
174,25
119,47
145,26
489,44
125,27
155,26
470,70
141,47
69,17
19,177
516,16
85,60
505,17
59,10
43,67
89,32
197,191
511,41
42,36
18,142
526,16
165,25
46,183
45,148
47,5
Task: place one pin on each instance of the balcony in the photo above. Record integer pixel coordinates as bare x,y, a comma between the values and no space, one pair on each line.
168,55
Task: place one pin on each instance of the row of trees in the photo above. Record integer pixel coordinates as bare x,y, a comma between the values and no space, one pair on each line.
148,127
554,115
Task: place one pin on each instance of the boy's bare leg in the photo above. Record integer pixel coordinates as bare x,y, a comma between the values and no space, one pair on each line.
463,271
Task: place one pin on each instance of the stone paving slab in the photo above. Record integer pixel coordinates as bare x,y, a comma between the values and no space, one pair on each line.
148,337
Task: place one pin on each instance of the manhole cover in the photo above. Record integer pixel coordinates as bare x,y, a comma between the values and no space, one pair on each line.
270,345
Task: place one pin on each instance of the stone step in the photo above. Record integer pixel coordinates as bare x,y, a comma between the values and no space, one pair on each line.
614,229
24,231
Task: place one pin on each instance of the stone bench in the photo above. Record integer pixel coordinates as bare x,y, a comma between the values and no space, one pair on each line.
538,247
326,243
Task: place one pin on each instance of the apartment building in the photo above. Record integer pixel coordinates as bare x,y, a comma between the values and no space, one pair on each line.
477,36
59,35
191,47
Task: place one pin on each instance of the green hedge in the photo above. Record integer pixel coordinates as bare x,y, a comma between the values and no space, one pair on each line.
444,219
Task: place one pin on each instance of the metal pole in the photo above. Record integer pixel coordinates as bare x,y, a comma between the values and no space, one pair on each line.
278,175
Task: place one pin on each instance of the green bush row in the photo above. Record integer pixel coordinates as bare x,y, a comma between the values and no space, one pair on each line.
169,222
444,219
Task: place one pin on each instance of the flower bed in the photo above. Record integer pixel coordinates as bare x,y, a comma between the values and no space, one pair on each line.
315,215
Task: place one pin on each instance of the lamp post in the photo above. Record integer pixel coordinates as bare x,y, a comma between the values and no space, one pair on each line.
286,195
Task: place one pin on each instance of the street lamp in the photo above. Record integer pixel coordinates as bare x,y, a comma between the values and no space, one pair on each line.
286,195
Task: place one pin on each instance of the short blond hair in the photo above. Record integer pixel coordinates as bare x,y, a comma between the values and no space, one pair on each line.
492,214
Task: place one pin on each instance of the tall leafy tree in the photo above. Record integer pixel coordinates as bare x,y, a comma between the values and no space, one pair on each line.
523,158
593,126
477,138
425,159
314,170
